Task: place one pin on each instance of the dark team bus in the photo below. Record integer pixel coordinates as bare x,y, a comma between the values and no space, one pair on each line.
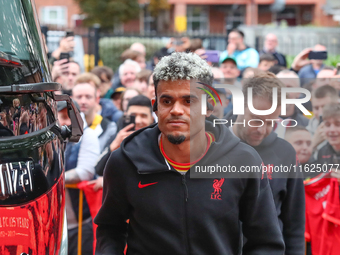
32,203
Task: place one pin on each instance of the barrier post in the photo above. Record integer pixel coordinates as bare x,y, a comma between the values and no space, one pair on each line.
80,214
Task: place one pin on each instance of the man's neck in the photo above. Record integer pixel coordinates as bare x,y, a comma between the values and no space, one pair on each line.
269,51
316,66
188,151
90,118
242,47
98,108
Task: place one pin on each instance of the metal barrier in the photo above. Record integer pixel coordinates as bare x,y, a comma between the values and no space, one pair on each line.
80,213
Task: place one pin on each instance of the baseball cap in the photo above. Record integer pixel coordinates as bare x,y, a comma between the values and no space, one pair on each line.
118,90
228,58
61,105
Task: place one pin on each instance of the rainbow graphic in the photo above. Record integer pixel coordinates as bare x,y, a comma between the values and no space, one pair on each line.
211,88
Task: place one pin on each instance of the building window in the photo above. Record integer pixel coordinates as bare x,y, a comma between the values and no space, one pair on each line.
197,19
78,20
150,25
235,17
288,15
54,15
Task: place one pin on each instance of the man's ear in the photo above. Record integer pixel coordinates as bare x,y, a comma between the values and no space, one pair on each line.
98,96
103,77
210,107
154,104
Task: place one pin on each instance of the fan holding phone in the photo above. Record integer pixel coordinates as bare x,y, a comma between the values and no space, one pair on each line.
138,115
309,62
66,45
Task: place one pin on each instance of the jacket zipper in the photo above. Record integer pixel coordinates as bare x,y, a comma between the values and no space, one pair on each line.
186,214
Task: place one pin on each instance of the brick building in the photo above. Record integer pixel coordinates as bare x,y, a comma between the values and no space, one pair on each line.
201,16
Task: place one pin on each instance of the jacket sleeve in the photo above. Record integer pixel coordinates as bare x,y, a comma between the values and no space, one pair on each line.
293,217
112,216
260,224
103,158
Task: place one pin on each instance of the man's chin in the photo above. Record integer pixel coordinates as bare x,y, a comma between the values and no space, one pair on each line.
176,139
255,142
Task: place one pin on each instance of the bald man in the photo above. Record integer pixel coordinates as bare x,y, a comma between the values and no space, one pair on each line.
137,46
269,46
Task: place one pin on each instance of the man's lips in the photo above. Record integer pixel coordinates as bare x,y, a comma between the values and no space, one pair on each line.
176,122
257,137
333,137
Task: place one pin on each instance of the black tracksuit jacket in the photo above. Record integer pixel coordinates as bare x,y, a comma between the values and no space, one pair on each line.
175,213
288,193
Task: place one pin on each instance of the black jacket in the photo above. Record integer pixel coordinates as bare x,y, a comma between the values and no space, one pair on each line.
176,214
281,59
288,193
326,156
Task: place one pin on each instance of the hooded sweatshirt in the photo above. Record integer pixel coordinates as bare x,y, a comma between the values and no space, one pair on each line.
288,193
171,213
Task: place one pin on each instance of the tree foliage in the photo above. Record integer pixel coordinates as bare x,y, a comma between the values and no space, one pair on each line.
108,12
155,6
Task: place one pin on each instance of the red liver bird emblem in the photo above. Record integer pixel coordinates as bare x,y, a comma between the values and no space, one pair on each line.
217,189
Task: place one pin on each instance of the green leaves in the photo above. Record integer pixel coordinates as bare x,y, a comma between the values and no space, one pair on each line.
110,48
108,12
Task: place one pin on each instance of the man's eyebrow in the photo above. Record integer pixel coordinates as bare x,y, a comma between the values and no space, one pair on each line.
165,96
185,96
190,96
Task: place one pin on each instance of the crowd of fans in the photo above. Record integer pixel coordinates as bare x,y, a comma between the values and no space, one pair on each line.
107,99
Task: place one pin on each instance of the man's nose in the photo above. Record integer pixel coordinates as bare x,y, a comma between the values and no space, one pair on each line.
82,100
304,146
262,129
332,128
138,119
177,109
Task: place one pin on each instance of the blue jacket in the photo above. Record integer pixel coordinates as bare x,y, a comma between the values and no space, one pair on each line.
245,58
109,110
306,74
71,160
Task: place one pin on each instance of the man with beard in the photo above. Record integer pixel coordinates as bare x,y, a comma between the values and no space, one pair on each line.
256,130
237,49
147,180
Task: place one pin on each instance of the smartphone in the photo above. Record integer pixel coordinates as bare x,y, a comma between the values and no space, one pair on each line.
212,56
320,120
129,119
65,55
69,33
322,55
